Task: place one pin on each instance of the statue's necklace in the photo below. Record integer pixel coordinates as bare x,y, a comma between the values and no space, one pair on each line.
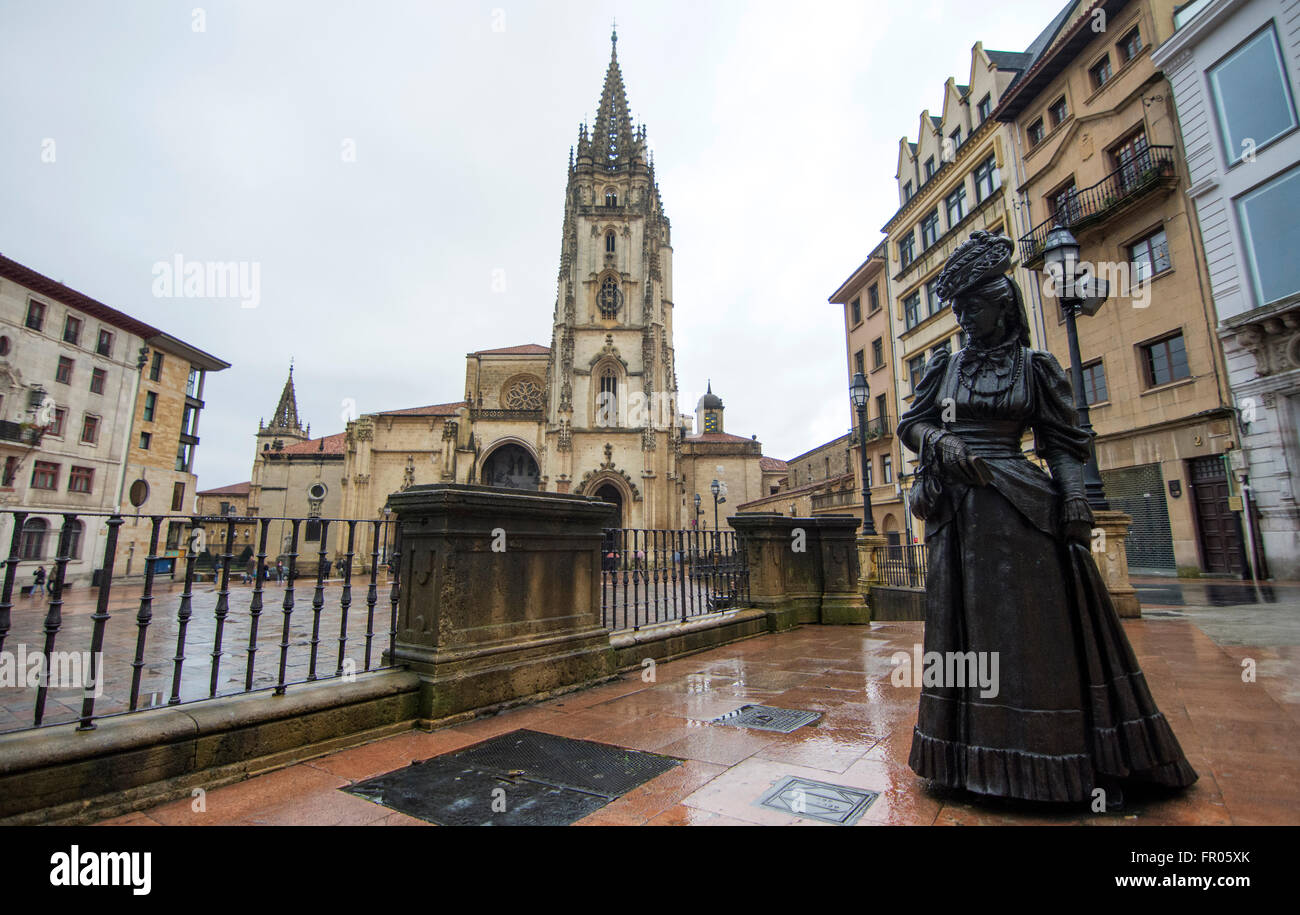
973,362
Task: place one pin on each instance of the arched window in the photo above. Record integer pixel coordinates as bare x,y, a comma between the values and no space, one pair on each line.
607,400
74,540
609,242
611,197
32,545
610,298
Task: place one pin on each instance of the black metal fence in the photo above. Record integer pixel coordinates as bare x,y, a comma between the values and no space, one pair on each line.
62,652
901,565
658,576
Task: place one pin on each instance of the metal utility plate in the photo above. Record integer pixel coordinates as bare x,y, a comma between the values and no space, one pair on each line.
767,718
524,778
804,797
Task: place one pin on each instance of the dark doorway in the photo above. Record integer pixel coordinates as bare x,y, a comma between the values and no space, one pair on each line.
1218,528
511,467
610,493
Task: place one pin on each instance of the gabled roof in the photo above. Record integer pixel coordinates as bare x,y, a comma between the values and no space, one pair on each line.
1064,37
437,409
526,349
329,444
1010,60
234,489
766,463
719,437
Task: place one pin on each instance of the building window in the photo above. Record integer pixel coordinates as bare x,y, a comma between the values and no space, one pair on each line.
1130,45
56,427
873,300
930,229
146,439
32,545
955,136
311,531
1058,112
97,377
155,369
916,370
1131,158
45,475
855,308
877,352
907,195
105,345
1100,72
1150,256
869,482
183,454
956,206
912,310
1252,95
609,242
35,315
72,330
932,299
74,539
1271,234
985,107
150,405
188,420
1036,133
610,298
1061,203
1165,360
939,348
987,179
611,197
907,249
81,479
90,429
192,386
886,469
1094,382
859,363
178,497
63,374
10,472
881,400
608,403
929,168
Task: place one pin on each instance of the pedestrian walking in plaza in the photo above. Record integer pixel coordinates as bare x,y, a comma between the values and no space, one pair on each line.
38,580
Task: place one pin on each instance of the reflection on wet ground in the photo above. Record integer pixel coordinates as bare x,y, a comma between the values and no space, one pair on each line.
1229,612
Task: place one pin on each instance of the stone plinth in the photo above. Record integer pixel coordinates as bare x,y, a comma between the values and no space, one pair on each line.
500,595
868,574
842,600
1112,563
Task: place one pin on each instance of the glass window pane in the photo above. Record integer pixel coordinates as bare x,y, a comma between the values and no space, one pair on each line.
1251,95
1271,233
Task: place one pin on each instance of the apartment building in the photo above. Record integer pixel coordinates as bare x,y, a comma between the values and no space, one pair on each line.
1233,66
1096,140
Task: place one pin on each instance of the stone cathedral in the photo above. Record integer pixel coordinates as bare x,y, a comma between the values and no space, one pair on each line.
595,413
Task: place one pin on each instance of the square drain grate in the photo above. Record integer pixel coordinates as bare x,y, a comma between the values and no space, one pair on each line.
524,778
767,718
818,800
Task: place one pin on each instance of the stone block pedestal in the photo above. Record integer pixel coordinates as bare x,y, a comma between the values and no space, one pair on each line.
1112,562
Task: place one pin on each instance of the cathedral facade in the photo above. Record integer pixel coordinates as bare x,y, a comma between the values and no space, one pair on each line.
595,413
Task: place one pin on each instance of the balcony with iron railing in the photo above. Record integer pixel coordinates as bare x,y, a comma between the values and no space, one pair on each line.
1149,171
877,427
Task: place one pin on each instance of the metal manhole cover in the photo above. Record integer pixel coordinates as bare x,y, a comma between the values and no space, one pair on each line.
521,778
767,718
804,797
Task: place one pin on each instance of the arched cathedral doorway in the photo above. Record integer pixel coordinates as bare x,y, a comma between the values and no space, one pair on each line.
511,467
610,493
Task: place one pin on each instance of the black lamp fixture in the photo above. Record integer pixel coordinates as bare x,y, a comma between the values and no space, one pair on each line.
716,488
860,394
698,510
1078,296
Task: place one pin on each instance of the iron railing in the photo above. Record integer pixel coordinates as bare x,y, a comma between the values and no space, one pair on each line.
901,565
122,671
658,576
1147,170
837,498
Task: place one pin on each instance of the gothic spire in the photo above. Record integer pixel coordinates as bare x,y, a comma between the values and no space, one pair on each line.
286,411
613,137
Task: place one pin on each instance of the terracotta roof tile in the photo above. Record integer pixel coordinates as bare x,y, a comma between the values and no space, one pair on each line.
234,489
526,349
770,463
330,444
436,409
719,437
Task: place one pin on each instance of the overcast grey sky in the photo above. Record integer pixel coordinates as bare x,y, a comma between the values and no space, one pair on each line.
775,129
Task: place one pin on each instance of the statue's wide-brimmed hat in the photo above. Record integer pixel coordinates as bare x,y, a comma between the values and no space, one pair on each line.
982,257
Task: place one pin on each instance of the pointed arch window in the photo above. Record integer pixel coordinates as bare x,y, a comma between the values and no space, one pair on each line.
607,401
611,197
610,298
609,242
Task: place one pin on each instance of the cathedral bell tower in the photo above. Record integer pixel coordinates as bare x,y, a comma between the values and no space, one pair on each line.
611,412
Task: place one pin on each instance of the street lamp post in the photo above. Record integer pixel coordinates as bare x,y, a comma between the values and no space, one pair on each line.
716,488
860,393
698,511
1077,297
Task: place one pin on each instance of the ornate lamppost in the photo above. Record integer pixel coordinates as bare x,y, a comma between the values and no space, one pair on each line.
716,488
1078,296
860,394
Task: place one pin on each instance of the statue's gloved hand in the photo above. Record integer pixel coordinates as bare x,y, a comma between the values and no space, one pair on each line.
956,463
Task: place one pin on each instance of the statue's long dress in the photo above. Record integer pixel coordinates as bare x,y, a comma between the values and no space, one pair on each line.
1073,707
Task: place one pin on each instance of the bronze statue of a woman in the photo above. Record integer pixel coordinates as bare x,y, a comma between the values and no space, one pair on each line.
1010,569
